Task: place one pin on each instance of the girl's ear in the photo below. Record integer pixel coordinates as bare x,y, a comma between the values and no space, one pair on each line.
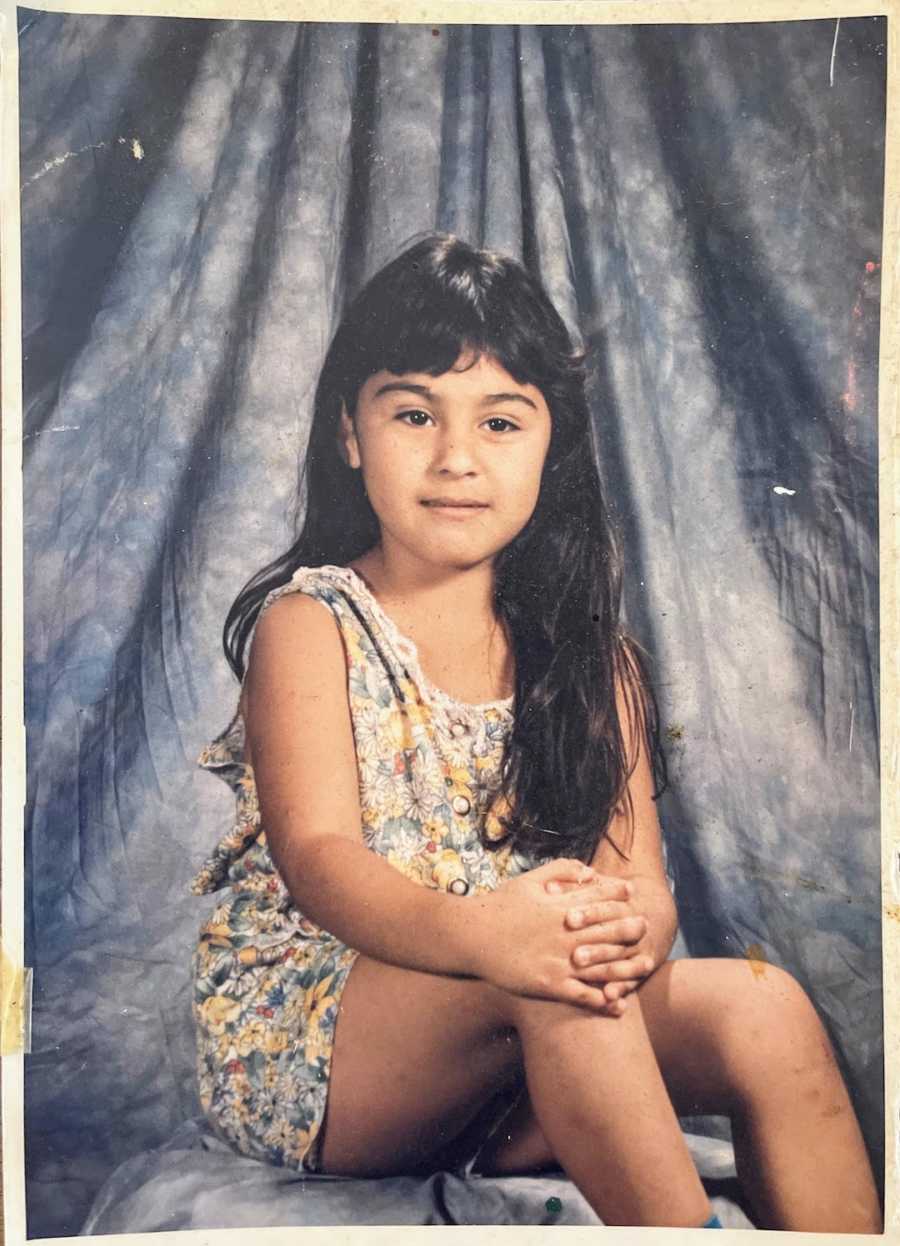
347,443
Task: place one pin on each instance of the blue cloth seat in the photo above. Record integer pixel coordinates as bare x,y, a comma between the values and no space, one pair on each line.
195,1181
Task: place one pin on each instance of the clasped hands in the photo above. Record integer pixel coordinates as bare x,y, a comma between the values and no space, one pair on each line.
564,932
613,952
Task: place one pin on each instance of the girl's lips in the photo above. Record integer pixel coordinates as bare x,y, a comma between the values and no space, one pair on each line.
456,510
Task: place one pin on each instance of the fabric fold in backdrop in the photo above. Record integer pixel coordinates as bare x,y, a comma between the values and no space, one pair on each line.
199,200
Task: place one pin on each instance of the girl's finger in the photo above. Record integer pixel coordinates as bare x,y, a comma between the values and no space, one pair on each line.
600,954
620,930
591,911
618,990
563,870
617,970
585,995
616,1007
600,888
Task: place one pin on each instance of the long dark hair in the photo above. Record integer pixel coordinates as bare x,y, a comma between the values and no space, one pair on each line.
557,585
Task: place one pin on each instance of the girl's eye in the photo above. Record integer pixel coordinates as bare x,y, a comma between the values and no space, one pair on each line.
418,418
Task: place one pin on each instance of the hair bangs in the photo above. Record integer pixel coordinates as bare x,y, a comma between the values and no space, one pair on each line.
446,300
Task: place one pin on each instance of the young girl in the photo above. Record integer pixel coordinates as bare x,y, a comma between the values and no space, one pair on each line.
446,884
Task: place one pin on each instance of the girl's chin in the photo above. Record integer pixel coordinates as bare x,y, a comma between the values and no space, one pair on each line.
456,514
447,554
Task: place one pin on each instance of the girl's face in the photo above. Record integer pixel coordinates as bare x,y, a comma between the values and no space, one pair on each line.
452,464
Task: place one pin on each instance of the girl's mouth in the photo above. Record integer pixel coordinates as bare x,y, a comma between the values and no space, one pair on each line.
449,503
454,510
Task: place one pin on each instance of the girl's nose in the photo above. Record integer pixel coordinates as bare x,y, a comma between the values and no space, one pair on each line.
454,454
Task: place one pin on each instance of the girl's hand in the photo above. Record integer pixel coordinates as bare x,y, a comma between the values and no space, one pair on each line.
524,944
613,946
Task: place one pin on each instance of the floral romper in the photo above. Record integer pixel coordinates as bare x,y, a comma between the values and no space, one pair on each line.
267,980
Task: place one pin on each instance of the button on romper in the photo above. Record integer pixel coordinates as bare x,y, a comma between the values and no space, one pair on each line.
267,979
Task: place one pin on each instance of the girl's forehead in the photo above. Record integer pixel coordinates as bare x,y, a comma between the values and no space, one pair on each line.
481,375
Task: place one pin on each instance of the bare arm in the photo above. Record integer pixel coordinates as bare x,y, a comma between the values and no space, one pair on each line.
632,846
624,941
301,746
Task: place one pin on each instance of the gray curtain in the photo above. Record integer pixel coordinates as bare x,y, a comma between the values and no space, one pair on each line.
199,201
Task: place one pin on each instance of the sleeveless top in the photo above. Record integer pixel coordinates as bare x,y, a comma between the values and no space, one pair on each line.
267,979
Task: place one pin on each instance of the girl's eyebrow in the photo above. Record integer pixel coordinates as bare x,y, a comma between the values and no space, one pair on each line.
423,391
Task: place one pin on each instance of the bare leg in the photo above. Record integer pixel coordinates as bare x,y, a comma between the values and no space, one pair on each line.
415,1059
599,1095
732,1043
417,1055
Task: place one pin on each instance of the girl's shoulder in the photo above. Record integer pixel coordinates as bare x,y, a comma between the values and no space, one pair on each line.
310,632
337,587
328,583
334,587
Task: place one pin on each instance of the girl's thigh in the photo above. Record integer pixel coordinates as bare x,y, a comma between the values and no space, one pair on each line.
417,1057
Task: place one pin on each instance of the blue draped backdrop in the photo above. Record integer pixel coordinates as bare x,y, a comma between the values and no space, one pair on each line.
199,199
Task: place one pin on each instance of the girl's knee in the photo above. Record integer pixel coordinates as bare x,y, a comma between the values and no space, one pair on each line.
780,1004
754,989
526,1014
769,1021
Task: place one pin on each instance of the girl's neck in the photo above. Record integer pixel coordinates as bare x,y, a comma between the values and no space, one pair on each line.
449,616
438,597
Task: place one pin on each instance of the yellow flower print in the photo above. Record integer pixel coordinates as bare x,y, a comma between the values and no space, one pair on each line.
461,777
217,935
316,1044
434,831
217,1012
368,816
408,691
318,997
317,1040
395,733
276,1041
251,1037
418,714
225,1047
354,650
